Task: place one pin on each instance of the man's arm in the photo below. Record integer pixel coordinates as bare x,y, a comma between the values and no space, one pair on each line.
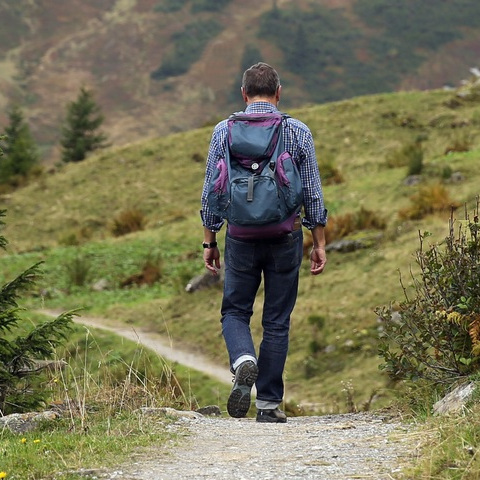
211,256
318,256
211,223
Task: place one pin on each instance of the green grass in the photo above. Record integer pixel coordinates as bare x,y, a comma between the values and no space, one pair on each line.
448,448
63,452
163,179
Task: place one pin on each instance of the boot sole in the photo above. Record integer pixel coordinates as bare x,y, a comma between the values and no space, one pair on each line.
240,398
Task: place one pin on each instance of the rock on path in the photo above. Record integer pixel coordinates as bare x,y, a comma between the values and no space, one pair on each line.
346,447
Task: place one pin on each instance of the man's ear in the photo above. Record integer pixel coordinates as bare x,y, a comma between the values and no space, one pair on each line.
278,92
244,95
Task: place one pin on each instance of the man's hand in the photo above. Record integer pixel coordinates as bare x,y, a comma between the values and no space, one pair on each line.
211,257
318,260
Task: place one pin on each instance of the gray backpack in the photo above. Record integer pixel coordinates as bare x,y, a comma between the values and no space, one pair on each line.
257,186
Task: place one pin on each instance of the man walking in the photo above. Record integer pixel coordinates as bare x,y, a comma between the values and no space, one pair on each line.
275,255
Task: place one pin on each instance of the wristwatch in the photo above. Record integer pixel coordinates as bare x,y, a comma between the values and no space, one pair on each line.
209,245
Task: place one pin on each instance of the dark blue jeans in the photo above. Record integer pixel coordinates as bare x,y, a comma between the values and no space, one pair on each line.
245,261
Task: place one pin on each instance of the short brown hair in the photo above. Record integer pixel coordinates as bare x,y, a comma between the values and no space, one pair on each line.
260,80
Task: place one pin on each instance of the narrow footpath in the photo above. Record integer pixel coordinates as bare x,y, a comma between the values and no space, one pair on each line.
328,447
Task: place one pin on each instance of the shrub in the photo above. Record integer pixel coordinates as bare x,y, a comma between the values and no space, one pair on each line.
317,323
209,5
415,162
78,271
343,225
168,6
128,221
435,334
151,272
198,157
429,199
76,237
460,142
188,47
331,175
410,155
446,172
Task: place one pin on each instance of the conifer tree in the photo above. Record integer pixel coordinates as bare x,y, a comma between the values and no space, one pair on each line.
20,390
20,150
80,134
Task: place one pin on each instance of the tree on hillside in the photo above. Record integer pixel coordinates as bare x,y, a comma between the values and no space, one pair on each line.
22,385
20,150
80,134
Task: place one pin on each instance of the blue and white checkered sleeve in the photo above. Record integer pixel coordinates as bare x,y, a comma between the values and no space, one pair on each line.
215,152
314,207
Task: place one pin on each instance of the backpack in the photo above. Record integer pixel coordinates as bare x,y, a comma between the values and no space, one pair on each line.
257,186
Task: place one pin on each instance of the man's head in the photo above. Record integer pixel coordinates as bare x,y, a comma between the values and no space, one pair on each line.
261,81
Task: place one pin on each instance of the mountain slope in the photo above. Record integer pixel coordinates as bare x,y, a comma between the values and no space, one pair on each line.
48,51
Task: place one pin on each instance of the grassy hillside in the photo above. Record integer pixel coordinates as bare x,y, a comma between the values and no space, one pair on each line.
66,218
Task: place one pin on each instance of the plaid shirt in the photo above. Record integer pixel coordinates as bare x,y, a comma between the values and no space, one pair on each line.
298,142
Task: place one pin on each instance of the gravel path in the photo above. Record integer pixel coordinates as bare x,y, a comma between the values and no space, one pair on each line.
331,447
346,447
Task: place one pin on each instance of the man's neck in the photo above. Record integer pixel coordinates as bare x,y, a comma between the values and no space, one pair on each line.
271,100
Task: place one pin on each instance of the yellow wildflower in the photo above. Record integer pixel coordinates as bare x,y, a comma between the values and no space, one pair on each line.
23,440
3,474
36,440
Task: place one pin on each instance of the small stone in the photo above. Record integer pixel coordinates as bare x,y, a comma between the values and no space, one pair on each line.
170,412
455,401
210,410
26,422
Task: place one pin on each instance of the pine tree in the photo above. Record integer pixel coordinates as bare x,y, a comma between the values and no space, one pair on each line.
20,150
20,390
80,134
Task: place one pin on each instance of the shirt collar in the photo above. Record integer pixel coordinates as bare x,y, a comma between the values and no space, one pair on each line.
261,107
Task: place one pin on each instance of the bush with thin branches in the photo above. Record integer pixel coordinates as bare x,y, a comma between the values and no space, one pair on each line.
435,334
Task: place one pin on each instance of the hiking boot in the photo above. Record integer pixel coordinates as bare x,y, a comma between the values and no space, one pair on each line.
239,400
271,416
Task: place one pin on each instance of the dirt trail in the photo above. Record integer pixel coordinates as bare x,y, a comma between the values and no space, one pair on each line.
330,447
156,343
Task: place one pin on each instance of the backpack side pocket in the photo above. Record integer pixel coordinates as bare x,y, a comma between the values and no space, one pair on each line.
289,181
217,194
